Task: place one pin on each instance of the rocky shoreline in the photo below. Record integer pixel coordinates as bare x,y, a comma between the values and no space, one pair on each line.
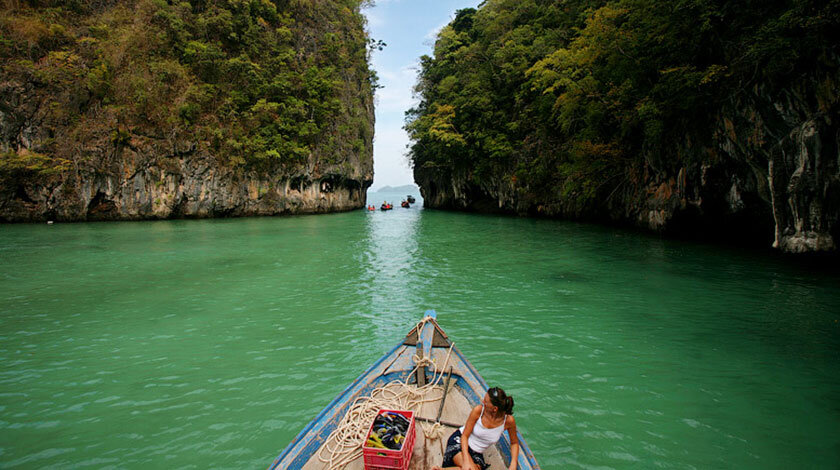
769,171
187,188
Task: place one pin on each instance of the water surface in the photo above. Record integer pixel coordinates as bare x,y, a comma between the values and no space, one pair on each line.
212,343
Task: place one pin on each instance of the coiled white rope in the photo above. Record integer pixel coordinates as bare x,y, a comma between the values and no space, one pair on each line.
344,444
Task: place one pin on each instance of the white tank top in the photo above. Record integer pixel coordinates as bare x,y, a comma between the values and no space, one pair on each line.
481,437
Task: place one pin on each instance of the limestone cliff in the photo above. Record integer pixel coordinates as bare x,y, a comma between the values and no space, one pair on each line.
147,110
710,119
769,171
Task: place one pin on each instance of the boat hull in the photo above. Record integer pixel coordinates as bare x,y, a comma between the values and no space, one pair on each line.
467,387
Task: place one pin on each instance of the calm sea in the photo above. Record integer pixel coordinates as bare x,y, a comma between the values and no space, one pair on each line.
212,343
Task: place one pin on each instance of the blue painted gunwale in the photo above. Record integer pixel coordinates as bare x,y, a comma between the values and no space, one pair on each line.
301,449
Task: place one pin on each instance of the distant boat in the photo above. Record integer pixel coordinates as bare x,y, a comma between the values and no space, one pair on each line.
410,198
466,391
405,204
386,207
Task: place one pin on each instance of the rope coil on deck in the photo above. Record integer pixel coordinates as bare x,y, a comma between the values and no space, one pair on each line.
432,432
344,444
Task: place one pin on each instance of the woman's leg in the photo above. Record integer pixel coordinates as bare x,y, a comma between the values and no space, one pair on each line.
458,459
452,454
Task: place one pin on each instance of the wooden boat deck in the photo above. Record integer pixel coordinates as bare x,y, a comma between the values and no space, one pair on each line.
429,452
466,389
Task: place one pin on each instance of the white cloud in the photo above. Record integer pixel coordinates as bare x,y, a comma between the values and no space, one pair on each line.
374,18
391,165
402,25
432,34
396,96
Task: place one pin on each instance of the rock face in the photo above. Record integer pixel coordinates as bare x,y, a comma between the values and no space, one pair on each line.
102,117
188,187
149,179
767,173
162,177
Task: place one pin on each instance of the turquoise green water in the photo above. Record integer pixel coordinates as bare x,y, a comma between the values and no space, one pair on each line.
210,344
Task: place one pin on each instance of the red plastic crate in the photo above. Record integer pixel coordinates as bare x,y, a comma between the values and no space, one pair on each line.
386,459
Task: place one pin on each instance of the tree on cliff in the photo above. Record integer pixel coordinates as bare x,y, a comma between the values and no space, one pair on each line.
567,101
257,84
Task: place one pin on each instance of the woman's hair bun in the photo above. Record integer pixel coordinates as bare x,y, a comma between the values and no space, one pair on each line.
499,398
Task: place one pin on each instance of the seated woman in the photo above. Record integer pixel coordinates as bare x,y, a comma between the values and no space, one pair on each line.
484,428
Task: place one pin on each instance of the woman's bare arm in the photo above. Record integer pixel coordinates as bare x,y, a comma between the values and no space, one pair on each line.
467,461
510,426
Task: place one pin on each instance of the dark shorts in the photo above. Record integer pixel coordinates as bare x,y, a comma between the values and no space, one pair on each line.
453,447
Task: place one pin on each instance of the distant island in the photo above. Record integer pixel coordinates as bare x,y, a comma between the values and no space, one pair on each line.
407,189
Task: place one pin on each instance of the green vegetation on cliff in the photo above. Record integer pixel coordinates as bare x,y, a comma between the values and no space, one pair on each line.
258,84
568,100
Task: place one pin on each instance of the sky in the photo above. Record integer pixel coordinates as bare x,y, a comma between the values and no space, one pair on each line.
408,27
